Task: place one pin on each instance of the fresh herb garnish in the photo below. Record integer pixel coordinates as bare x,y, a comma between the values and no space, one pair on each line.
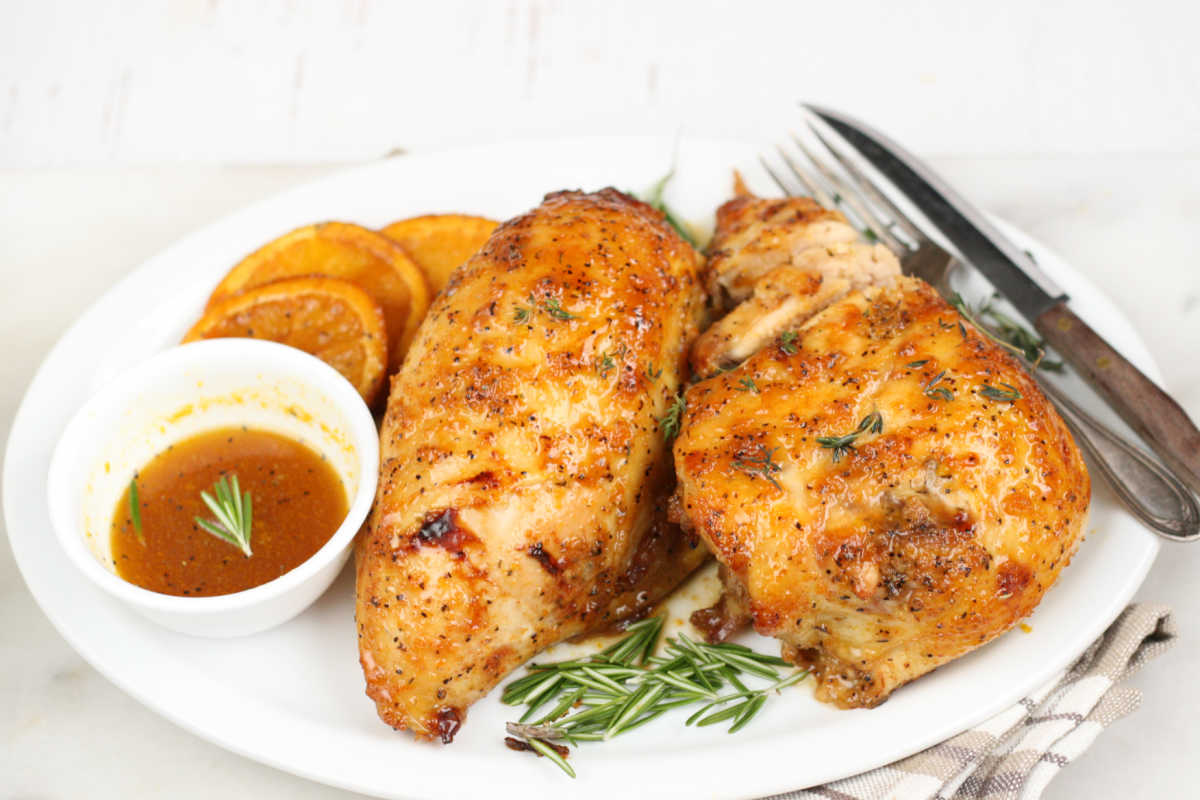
747,385
653,374
233,511
605,364
626,685
870,235
669,422
762,465
1007,332
841,445
521,315
1006,395
931,389
135,511
916,364
787,342
655,200
554,309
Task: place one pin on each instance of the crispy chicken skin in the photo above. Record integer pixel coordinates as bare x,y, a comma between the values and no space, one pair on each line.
523,486
919,543
940,522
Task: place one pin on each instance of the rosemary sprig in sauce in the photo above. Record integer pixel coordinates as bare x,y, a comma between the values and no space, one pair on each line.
747,385
135,511
233,511
841,445
626,685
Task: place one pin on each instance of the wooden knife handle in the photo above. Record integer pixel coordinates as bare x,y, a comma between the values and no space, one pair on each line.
1150,411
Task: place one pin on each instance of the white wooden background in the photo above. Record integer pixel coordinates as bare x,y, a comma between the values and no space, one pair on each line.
125,124
288,81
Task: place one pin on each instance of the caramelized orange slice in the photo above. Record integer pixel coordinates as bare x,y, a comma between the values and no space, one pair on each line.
349,252
332,319
440,242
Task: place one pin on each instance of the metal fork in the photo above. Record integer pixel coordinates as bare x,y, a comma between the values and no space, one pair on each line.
1151,492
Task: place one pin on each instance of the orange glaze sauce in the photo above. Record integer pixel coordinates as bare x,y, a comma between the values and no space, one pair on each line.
298,503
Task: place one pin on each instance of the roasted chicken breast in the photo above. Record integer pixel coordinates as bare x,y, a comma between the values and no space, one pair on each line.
522,495
885,488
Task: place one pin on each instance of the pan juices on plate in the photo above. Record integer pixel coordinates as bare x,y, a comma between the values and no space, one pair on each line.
522,495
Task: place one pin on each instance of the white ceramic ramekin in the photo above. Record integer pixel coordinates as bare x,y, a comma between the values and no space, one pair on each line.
176,394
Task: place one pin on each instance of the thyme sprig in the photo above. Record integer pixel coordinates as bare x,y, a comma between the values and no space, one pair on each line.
840,445
747,385
932,389
669,422
762,465
551,305
626,685
787,342
1008,394
234,514
1007,332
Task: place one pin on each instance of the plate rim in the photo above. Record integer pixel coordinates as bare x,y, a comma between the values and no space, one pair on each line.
112,672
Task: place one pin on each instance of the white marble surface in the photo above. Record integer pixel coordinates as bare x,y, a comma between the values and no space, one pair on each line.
1079,122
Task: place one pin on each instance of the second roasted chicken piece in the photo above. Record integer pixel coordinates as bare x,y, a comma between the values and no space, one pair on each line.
523,486
885,488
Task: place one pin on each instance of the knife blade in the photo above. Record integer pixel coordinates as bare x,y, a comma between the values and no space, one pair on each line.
1014,274
1150,411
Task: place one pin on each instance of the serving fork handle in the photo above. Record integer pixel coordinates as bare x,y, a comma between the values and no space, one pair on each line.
1158,419
1148,488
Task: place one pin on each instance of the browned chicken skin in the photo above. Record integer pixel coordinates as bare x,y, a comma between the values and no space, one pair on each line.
956,498
523,484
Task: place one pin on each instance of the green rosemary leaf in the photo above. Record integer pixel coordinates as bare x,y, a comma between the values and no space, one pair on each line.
233,510
552,754
916,364
753,706
747,385
520,315
135,511
654,199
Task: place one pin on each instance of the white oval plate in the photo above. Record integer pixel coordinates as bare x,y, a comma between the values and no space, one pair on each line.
293,697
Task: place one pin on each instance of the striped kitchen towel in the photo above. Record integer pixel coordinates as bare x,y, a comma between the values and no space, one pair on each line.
1014,755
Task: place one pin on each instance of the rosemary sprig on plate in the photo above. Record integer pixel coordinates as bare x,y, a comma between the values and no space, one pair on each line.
747,385
135,511
669,422
233,511
840,445
626,685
